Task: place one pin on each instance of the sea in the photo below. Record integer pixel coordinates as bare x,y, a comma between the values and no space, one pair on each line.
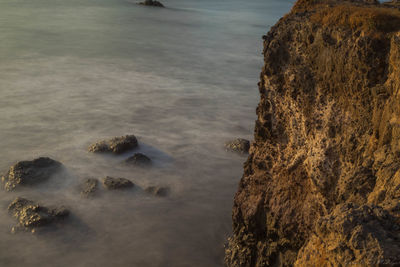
182,79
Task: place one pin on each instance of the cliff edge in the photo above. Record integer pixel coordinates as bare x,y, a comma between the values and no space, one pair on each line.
321,186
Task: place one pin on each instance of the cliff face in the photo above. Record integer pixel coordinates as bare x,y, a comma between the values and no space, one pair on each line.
321,186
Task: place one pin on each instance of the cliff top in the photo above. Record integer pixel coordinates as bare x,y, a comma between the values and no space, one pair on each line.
361,15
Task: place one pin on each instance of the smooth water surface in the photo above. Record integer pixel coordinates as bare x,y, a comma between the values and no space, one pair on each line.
182,79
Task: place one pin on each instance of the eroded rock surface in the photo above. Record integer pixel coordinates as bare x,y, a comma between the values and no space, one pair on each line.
112,183
151,3
239,145
31,215
116,145
30,172
321,186
353,235
139,159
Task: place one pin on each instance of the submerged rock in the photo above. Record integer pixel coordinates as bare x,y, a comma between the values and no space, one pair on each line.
139,159
116,183
30,172
158,191
151,3
30,214
116,145
238,145
89,187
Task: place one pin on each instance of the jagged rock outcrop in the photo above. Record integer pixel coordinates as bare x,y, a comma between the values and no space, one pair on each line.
30,172
321,186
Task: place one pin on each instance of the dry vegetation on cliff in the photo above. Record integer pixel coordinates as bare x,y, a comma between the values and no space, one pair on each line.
350,14
369,19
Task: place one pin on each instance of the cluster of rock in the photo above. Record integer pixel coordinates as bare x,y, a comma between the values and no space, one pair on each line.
90,186
321,185
31,215
120,145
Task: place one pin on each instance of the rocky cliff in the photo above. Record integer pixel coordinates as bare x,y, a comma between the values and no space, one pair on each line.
321,186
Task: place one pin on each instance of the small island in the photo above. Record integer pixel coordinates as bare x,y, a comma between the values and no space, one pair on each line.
151,3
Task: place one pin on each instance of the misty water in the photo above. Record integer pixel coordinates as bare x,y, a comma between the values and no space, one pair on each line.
182,79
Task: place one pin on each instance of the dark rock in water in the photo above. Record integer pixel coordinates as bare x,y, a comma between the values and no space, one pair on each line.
116,145
151,3
89,187
238,145
139,159
158,191
31,215
30,172
116,183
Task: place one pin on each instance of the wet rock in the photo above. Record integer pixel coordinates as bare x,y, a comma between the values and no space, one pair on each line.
151,3
30,172
111,183
238,145
158,191
139,159
116,145
31,215
89,187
